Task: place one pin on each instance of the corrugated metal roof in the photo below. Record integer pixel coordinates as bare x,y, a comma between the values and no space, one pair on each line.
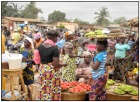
23,19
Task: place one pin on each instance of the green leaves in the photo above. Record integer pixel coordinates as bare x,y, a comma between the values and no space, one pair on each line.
120,20
102,17
11,9
56,16
30,11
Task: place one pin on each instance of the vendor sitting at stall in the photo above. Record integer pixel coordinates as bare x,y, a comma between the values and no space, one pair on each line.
84,70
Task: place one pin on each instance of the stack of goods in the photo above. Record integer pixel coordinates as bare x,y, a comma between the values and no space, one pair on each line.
95,34
109,82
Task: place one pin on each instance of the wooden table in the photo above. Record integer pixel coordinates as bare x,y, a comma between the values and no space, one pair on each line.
12,73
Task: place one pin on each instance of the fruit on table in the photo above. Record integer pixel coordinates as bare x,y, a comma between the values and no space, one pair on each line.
134,92
107,87
110,82
126,88
119,91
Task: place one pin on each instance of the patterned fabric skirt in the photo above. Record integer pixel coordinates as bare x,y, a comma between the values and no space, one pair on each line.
97,89
49,81
119,70
28,75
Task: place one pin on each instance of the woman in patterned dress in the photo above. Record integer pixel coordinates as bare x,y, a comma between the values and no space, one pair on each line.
47,55
68,72
121,60
27,52
99,76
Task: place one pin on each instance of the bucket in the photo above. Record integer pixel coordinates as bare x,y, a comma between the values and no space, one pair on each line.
4,58
15,61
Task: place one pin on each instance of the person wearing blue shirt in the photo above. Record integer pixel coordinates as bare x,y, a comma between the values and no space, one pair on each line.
131,41
99,76
122,60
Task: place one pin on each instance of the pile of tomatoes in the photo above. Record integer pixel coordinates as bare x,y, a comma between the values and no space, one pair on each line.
66,85
75,87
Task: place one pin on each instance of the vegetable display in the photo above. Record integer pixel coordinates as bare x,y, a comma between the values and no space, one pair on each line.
119,91
134,92
126,88
107,87
75,87
123,89
97,33
110,82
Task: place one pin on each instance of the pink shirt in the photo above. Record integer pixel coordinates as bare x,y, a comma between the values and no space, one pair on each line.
91,47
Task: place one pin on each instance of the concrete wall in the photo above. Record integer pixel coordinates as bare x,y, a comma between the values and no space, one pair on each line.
69,25
15,24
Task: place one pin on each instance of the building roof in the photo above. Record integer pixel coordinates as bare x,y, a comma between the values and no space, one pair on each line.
86,25
23,19
114,25
47,25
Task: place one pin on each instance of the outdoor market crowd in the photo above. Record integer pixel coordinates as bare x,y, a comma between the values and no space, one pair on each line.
60,55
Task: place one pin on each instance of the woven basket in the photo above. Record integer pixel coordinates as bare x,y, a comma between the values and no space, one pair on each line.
66,96
115,31
64,90
113,34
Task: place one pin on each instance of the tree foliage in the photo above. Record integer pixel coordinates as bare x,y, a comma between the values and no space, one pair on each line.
6,8
102,17
56,16
80,21
11,9
61,26
30,11
120,20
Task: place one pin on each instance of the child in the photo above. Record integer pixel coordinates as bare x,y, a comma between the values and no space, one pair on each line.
84,70
68,72
99,77
27,53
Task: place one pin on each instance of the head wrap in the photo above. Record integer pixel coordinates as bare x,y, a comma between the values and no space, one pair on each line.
37,36
86,53
68,33
68,45
31,41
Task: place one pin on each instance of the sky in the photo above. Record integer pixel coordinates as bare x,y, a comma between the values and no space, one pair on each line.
86,10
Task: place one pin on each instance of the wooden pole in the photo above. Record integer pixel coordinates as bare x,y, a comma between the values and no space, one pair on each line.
130,28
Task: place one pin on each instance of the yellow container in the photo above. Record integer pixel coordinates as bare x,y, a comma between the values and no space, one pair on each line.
135,71
3,83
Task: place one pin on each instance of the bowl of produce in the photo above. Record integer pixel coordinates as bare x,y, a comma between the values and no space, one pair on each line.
119,91
110,82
